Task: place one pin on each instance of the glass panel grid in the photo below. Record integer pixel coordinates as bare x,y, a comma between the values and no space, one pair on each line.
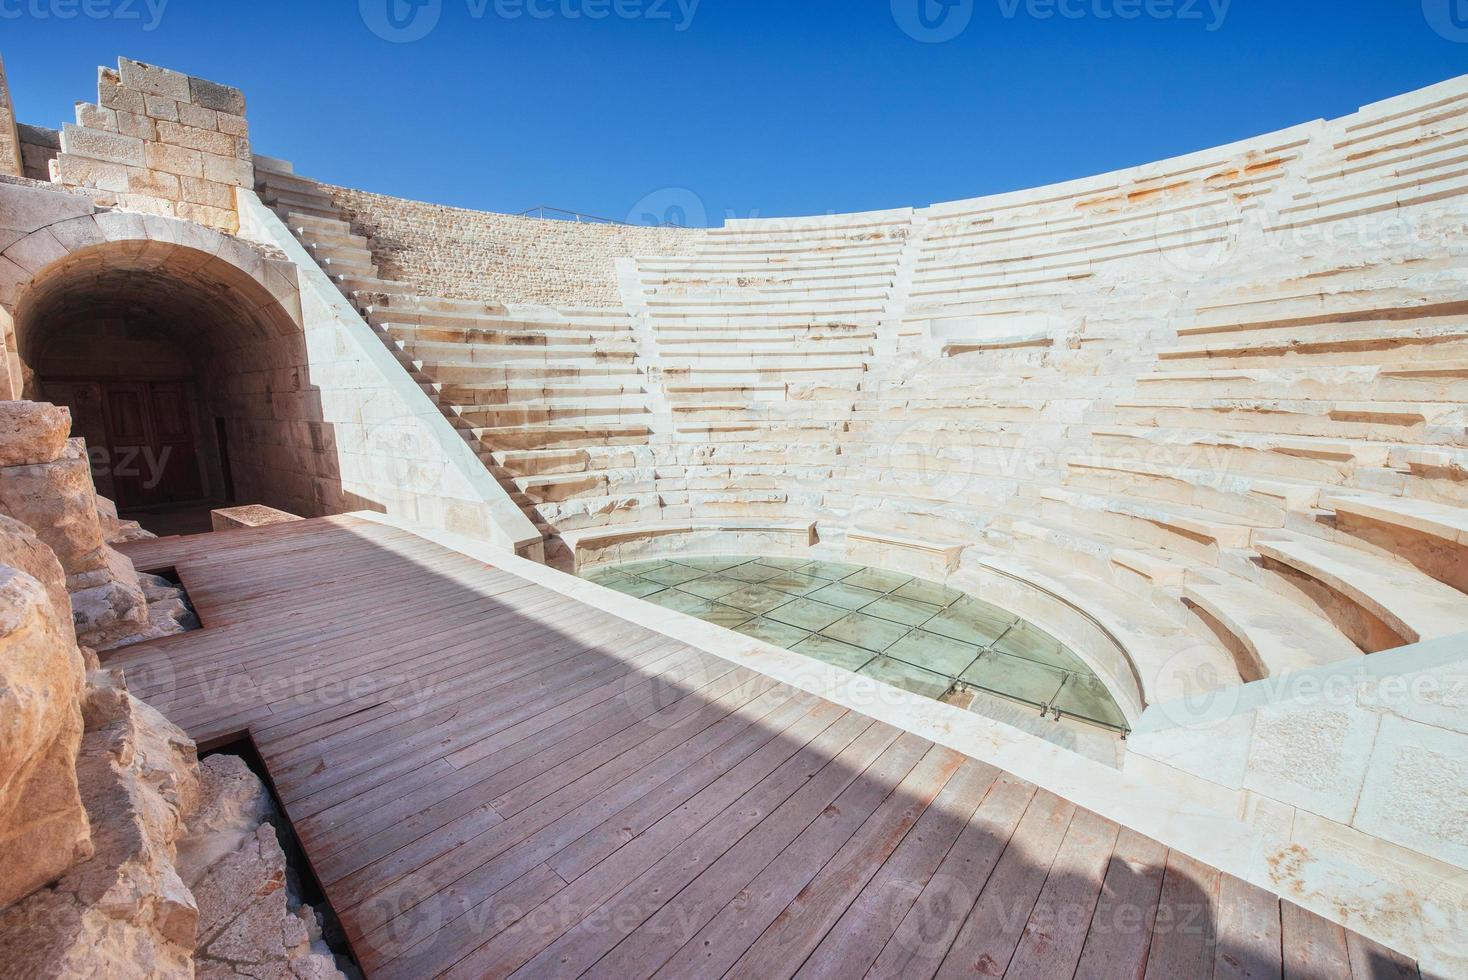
914,634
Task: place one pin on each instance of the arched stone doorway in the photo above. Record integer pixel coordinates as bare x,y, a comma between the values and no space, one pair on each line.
181,355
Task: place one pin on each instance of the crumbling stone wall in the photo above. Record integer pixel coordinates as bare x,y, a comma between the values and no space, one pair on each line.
46,483
43,825
160,142
10,162
499,258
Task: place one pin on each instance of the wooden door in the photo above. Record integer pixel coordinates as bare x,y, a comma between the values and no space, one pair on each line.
129,442
175,462
140,435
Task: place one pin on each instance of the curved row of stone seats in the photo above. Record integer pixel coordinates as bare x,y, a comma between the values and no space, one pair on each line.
1075,236
1407,150
769,320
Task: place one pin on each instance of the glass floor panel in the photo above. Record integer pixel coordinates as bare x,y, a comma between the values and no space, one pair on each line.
917,635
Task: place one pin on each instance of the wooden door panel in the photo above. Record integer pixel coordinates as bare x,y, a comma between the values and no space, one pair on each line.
175,460
128,441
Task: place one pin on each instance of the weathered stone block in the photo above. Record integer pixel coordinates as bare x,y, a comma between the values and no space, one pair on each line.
111,94
75,171
203,140
219,218
251,515
97,144
91,116
197,191
197,116
228,170
152,80
32,432
174,159
136,124
233,125
159,107
154,183
212,95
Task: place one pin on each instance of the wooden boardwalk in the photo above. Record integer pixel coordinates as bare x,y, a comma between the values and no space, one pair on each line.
490,779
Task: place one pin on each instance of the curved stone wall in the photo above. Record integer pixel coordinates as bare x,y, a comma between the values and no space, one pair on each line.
477,255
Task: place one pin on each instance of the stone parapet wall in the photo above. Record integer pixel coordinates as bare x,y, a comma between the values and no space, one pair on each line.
159,142
475,255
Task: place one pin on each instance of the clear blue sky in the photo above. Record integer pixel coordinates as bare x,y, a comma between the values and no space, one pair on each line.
758,107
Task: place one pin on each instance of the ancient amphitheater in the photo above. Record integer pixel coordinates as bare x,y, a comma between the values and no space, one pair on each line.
1063,583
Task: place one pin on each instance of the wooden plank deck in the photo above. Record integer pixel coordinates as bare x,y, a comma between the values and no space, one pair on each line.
492,780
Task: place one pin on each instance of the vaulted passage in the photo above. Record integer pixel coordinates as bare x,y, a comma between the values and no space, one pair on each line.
181,374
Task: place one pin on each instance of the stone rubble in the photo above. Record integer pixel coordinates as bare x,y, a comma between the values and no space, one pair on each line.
46,483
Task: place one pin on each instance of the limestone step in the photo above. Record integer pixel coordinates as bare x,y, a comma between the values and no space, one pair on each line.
1446,523
1190,530
1367,307
773,338
566,409
523,373
789,374
744,302
436,352
530,462
1370,421
760,265
769,250
331,239
271,176
1386,195
362,288
464,325
344,263
1170,662
575,436
1429,381
781,318
453,376
1414,605
1329,451
301,199
818,282
479,337
547,489
504,393
759,351
1252,499
307,224
1277,635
